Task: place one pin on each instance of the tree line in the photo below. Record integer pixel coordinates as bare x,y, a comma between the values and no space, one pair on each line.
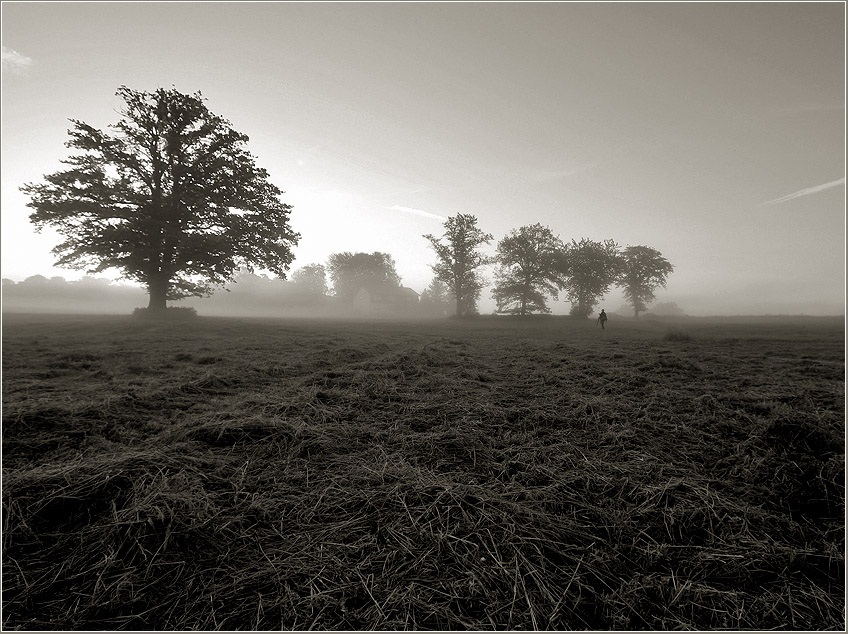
534,266
171,197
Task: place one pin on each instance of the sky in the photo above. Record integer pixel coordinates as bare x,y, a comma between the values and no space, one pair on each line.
712,132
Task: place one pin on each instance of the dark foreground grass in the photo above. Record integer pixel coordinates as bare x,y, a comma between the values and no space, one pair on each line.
492,474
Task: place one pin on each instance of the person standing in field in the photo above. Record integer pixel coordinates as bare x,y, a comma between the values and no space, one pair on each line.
602,319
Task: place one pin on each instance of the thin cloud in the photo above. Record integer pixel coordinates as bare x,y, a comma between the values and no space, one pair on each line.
806,192
546,176
15,62
417,212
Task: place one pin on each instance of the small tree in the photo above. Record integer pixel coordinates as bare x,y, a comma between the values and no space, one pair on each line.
172,199
643,270
436,298
351,272
528,271
590,269
459,260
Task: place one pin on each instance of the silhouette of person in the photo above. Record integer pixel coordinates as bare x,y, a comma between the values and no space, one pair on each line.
602,318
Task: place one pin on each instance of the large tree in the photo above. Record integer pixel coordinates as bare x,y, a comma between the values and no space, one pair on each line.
351,272
170,197
459,260
590,269
643,270
528,270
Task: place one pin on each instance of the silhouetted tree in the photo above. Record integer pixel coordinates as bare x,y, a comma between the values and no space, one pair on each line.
351,272
311,280
643,269
171,198
589,269
459,259
529,270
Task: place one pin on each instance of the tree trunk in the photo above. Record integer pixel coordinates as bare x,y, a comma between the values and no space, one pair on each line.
458,305
158,290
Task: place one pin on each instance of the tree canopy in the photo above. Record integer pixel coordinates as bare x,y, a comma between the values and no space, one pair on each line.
351,272
590,269
529,270
170,197
643,270
459,260
311,280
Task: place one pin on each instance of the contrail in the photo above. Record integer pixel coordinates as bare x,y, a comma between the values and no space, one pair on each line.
805,192
417,212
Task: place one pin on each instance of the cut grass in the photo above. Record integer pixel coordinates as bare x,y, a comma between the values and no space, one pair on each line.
231,474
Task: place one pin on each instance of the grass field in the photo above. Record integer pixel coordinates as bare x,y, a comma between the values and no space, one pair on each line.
488,474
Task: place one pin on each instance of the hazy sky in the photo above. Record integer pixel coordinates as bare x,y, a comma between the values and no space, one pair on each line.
713,132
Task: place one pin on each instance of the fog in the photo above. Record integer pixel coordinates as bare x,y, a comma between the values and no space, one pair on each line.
249,296
261,296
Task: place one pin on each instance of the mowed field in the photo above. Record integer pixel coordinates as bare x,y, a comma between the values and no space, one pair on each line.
493,473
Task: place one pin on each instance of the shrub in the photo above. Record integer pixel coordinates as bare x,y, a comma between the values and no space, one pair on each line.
676,334
172,313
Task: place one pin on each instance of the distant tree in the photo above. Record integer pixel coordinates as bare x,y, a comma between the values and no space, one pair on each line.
92,282
643,269
624,310
247,281
36,280
172,199
459,260
86,289
435,298
529,270
351,272
311,280
590,268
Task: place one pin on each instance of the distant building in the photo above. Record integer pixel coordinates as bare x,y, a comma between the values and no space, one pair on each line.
384,299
